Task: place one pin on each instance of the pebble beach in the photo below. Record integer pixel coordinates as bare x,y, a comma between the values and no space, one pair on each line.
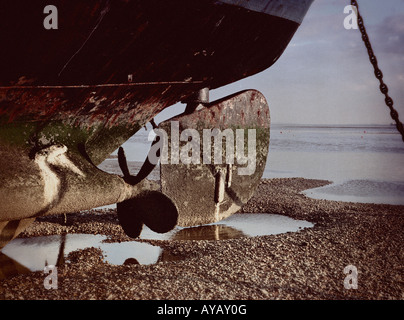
304,265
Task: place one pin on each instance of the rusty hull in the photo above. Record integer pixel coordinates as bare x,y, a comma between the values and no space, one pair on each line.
206,193
69,97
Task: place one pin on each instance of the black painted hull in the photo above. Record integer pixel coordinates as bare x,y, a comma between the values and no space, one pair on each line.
100,42
77,76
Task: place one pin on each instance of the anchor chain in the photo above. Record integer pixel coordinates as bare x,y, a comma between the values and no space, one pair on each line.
378,73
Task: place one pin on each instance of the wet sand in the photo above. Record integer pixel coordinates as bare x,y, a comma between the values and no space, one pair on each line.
307,265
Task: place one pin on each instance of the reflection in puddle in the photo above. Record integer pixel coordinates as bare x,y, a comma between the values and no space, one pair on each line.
209,232
236,226
32,254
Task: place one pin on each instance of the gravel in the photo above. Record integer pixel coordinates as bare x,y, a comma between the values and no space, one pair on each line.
307,265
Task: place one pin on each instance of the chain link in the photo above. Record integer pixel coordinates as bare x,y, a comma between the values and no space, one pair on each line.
378,73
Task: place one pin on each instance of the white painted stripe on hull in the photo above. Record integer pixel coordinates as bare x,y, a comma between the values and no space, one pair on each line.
293,10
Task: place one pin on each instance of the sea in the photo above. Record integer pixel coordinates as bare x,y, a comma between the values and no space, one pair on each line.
364,163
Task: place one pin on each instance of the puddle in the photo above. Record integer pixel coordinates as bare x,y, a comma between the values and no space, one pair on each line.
236,226
32,254
362,191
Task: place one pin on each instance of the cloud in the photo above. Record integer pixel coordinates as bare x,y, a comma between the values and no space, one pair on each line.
389,35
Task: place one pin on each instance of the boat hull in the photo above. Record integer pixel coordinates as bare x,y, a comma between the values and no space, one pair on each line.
109,68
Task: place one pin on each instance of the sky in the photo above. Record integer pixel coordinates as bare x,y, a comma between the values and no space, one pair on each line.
325,76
